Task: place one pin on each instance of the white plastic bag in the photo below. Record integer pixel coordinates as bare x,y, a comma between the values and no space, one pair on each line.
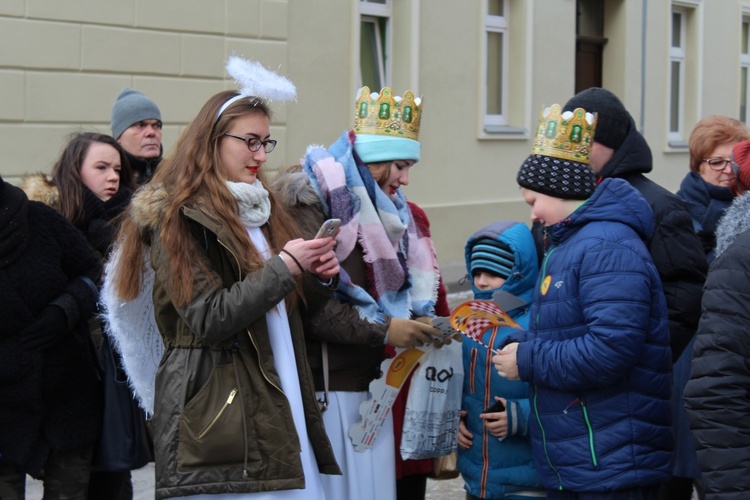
433,404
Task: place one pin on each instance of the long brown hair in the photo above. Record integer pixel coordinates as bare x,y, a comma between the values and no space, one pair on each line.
193,175
66,173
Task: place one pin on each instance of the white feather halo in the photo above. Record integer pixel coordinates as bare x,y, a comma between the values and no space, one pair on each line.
255,80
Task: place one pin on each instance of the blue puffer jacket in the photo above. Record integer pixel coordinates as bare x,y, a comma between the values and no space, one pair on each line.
492,468
597,353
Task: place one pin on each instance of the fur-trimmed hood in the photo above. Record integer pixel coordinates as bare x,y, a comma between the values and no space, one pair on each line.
736,220
149,205
296,194
39,187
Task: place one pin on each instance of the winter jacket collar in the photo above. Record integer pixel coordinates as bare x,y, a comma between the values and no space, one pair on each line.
633,156
736,221
614,201
705,201
524,272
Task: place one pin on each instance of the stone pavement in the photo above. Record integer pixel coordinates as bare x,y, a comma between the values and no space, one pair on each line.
143,487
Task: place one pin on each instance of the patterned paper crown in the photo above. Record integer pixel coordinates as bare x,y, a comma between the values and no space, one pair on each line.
566,135
388,115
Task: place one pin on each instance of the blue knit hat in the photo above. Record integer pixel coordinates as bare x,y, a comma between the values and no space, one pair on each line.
492,256
132,107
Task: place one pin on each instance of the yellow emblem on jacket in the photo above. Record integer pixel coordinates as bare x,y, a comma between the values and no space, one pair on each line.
545,284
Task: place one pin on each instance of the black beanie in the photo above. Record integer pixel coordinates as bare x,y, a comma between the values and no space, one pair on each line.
613,120
558,177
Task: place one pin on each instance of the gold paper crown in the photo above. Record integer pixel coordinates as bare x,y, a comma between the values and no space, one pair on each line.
568,137
388,115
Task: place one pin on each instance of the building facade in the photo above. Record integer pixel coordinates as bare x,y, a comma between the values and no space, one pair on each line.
485,69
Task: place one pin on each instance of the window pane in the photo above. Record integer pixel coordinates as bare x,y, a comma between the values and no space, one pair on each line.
743,95
494,73
496,7
674,98
744,48
676,29
369,58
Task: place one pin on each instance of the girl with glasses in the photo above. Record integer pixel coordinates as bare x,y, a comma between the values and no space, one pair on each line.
234,408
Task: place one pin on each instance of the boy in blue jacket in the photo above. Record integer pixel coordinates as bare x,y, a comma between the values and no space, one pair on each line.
596,354
494,453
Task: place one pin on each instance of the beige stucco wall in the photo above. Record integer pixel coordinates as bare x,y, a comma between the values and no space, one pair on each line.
63,63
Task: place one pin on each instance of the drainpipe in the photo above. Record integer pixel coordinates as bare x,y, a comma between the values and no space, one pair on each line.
643,67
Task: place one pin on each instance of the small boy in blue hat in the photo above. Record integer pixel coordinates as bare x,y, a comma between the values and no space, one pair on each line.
494,453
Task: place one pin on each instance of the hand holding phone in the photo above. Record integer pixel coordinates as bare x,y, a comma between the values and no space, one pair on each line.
328,228
497,407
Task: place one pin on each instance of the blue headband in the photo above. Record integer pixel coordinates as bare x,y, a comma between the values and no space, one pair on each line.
376,148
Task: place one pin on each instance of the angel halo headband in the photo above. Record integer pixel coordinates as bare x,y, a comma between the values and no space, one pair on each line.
256,81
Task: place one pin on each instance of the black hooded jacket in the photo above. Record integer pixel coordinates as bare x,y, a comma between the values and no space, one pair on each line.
676,249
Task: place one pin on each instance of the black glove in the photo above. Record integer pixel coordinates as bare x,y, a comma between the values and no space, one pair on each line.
49,328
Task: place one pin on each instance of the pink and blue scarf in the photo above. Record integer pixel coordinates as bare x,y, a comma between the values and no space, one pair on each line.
402,270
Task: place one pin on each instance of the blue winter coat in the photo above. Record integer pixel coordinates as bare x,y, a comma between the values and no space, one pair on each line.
597,352
491,467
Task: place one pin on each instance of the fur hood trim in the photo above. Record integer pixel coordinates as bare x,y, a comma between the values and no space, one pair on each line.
293,188
149,206
39,187
736,220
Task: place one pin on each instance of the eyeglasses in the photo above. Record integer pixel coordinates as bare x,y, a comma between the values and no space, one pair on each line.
254,144
718,164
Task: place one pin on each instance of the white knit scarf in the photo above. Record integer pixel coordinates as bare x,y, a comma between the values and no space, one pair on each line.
255,206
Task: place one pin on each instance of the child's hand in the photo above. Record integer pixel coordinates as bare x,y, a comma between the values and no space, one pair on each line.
465,437
506,363
496,422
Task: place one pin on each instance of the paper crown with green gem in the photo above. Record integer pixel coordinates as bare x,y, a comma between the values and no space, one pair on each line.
567,135
388,115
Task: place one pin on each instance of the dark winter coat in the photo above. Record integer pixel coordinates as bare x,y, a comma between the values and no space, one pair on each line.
717,397
706,204
218,363
596,354
143,169
493,468
51,399
675,248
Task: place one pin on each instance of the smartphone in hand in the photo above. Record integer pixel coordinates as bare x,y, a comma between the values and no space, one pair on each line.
328,228
498,406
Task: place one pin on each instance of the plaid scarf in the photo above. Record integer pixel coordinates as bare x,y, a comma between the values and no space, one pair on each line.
400,260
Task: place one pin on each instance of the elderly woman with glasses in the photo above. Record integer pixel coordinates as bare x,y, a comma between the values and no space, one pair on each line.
706,187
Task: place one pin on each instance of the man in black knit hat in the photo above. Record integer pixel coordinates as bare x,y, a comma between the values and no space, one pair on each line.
619,150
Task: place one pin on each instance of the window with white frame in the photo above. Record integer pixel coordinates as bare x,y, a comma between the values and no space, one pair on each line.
374,46
677,51
495,96
744,69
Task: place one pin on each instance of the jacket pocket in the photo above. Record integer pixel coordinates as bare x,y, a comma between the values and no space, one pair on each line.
211,424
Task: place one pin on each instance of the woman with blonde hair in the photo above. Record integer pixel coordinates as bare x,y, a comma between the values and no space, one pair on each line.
234,404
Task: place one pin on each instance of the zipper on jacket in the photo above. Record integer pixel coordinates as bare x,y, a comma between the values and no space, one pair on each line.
543,273
239,277
544,439
589,428
245,472
210,426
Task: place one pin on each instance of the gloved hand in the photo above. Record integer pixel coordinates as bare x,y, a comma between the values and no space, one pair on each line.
410,333
49,328
437,342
